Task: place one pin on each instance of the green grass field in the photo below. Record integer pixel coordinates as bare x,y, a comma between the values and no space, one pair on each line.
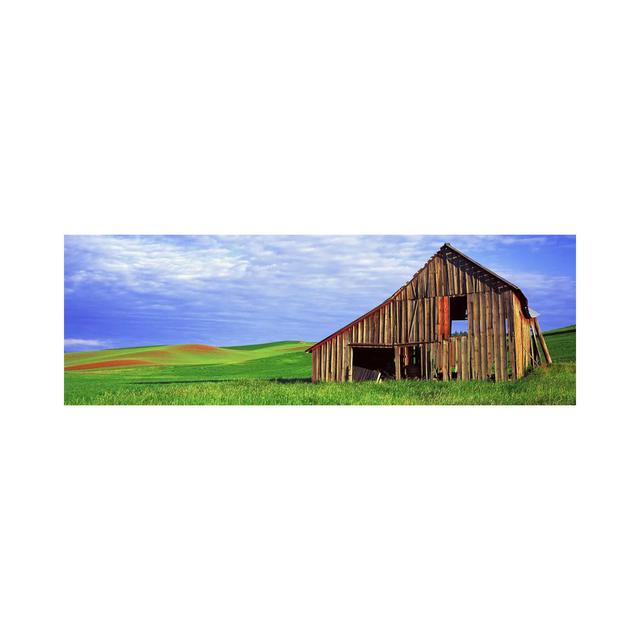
562,344
280,373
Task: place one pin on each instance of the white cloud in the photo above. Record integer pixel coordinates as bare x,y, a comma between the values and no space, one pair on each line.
194,268
491,243
146,264
539,283
81,342
214,281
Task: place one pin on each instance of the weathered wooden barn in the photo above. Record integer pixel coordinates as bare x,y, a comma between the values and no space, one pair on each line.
455,319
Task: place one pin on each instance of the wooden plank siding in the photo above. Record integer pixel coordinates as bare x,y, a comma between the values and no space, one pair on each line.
502,341
540,338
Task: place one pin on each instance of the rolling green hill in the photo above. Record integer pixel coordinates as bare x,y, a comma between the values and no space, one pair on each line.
280,372
89,375
175,355
562,343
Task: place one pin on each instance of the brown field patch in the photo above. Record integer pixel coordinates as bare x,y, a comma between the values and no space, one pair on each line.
108,363
197,347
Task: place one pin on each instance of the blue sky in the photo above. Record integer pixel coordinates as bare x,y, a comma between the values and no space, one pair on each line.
225,290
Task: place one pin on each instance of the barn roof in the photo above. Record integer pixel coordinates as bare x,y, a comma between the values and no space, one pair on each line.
444,249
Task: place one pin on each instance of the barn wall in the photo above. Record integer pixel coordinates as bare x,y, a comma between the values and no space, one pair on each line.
530,347
498,345
522,346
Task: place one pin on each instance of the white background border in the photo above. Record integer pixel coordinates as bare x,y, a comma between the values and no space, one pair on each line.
293,522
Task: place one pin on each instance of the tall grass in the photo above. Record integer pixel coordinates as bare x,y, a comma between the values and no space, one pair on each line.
553,385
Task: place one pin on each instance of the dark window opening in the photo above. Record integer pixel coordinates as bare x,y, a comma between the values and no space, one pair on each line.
459,323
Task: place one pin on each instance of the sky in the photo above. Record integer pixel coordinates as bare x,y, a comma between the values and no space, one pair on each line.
229,290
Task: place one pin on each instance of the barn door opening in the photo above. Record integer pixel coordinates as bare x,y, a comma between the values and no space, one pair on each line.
373,363
411,358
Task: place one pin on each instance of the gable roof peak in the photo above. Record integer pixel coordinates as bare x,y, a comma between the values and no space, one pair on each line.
442,253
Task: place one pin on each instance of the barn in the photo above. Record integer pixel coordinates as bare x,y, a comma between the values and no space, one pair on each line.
454,320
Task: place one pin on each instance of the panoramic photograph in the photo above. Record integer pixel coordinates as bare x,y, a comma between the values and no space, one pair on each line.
320,319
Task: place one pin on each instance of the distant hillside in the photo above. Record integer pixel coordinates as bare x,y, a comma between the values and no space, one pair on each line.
179,354
568,329
270,345
562,343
